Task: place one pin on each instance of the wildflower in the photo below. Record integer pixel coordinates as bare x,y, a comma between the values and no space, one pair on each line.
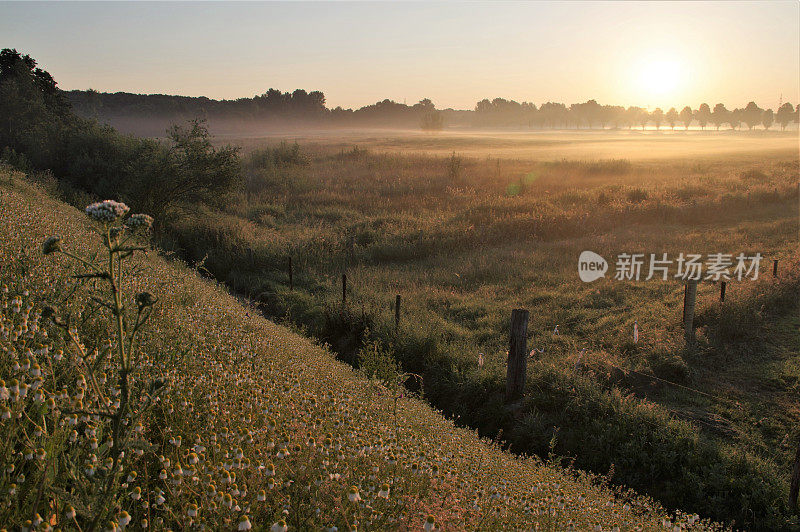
107,211
124,518
136,494
51,245
140,221
192,510
352,494
280,526
69,511
244,523
262,496
384,492
430,523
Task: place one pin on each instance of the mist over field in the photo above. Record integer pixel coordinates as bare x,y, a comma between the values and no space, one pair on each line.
549,280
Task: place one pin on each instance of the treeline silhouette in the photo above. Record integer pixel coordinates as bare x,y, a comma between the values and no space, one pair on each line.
308,108
501,112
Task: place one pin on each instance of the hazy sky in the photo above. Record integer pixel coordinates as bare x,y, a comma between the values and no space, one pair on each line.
648,54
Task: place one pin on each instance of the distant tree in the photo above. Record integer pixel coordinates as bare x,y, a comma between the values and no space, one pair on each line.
658,117
719,116
642,117
751,115
767,118
703,115
672,117
735,118
686,116
431,121
785,115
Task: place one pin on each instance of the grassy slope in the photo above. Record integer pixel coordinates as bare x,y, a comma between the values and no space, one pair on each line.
413,231
229,368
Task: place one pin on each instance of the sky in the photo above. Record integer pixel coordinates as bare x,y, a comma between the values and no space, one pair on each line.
650,54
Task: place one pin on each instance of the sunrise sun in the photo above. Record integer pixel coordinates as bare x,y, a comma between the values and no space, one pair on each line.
660,77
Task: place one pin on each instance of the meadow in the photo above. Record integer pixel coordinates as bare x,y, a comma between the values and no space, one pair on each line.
215,418
467,226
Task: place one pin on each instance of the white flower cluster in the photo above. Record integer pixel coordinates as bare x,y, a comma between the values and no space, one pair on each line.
107,211
140,221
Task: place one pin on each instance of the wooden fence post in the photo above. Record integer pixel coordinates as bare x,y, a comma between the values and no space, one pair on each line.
795,485
291,275
344,289
517,355
775,268
722,292
397,312
689,300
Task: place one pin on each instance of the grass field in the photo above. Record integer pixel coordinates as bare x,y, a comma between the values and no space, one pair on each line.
249,424
633,144
466,227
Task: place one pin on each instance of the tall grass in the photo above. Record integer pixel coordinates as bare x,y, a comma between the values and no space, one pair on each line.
463,252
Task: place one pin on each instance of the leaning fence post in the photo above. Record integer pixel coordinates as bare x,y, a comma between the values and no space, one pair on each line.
291,275
775,268
397,312
344,289
794,488
689,299
517,355
722,292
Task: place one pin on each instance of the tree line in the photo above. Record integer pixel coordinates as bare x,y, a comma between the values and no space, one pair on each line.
501,112
303,107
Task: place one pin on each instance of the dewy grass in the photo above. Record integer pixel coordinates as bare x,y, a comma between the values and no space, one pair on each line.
232,422
463,254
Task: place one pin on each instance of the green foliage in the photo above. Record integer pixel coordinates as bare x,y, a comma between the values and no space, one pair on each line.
38,131
377,363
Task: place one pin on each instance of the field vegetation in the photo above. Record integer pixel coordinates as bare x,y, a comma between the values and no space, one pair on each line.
464,240
464,228
214,417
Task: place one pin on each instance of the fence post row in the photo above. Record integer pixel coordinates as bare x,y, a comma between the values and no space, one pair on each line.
397,312
517,354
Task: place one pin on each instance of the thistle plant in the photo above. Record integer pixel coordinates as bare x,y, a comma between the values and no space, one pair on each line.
103,274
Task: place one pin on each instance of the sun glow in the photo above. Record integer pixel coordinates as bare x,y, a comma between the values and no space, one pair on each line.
660,77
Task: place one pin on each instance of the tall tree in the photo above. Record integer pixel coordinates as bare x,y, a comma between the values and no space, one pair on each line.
767,118
658,117
751,115
672,117
735,118
720,115
703,115
686,116
785,115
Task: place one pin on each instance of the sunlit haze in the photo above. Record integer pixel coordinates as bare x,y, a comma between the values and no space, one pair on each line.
647,54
